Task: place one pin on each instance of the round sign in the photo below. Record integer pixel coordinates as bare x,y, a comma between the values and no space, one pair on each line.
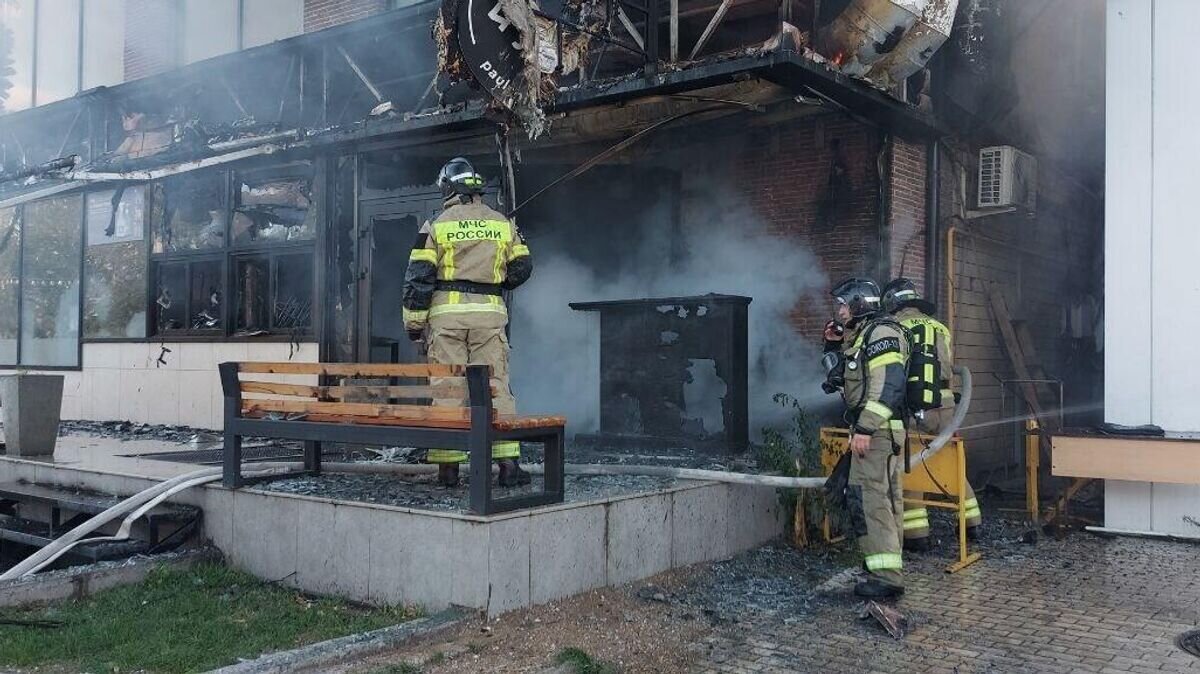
490,46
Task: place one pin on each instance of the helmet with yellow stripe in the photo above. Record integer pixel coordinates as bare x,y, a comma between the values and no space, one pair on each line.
459,177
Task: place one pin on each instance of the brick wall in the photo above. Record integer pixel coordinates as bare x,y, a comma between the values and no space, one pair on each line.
784,171
151,46
906,184
319,14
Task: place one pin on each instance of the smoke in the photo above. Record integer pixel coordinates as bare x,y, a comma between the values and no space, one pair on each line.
555,361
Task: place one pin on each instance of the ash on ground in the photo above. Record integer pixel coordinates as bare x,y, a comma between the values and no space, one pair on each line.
421,492
780,583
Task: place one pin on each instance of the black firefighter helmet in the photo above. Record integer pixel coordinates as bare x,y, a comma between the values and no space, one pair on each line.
459,177
901,292
860,295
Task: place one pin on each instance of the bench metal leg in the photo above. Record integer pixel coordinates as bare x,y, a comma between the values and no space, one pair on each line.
231,475
480,456
555,474
312,456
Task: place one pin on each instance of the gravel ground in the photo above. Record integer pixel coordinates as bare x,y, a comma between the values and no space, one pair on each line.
422,492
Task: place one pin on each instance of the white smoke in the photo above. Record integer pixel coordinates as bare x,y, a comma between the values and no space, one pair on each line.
555,358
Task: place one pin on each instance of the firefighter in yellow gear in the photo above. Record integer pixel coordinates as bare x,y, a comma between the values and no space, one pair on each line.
868,364
460,265
931,394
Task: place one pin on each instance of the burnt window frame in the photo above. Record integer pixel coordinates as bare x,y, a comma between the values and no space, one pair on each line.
229,254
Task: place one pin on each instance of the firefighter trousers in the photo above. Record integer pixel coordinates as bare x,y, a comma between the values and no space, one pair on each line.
474,346
916,517
877,505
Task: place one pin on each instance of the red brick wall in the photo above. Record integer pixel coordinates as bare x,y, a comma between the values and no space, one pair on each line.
784,170
320,14
150,37
906,183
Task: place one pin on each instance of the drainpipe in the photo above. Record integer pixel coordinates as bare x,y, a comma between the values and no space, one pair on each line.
932,221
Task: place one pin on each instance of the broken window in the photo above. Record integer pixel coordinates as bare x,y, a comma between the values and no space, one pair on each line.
114,298
170,302
10,282
194,214
274,206
205,296
51,260
292,293
265,271
274,294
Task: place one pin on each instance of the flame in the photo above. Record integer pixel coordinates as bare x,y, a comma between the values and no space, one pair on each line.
839,58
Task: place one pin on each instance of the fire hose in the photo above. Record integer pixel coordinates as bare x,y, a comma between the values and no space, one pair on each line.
133,507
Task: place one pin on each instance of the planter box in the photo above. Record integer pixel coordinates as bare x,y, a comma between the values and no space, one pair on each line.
30,407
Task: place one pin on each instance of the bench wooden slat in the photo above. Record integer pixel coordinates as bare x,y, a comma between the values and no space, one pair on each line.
400,412
355,369
502,423
451,390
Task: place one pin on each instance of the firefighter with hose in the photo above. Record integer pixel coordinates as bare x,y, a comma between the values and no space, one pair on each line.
931,396
865,359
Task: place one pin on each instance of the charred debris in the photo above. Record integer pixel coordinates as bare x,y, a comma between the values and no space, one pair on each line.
414,70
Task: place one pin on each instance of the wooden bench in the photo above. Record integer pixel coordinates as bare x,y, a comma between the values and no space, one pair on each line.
399,414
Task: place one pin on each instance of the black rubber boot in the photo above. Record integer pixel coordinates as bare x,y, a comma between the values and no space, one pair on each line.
511,474
918,544
973,533
448,474
875,587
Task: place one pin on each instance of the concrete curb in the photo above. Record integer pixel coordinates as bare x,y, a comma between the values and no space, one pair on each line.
343,648
82,581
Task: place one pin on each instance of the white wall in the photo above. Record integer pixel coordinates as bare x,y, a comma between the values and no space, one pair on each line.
1152,245
125,382
1152,285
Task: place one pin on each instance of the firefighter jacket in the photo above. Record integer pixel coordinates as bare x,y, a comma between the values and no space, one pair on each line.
460,264
876,358
925,329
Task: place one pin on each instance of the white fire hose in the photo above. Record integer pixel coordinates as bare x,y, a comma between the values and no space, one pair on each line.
135,506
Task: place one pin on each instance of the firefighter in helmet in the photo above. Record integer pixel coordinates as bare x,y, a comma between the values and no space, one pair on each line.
461,264
931,395
866,356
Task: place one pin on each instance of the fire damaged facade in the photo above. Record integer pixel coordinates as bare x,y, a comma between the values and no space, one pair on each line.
260,204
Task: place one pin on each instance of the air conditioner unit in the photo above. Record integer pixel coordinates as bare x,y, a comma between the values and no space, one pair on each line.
1007,178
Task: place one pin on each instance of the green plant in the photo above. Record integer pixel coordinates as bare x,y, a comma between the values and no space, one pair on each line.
582,663
794,450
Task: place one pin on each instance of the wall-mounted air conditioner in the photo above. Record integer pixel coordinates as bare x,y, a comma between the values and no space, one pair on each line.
1007,178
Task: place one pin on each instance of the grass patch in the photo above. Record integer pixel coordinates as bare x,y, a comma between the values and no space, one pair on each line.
402,668
182,621
582,663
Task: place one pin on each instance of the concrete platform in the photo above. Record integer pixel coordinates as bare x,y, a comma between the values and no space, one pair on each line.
388,555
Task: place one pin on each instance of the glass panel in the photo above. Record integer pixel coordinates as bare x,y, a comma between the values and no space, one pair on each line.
293,293
193,214
10,285
170,303
209,28
265,21
114,289
206,288
103,228
57,50
251,284
271,208
16,49
50,287
114,303
103,43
